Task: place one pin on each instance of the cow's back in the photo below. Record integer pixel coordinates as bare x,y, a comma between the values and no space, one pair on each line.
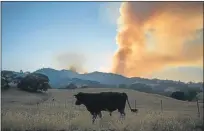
105,101
113,100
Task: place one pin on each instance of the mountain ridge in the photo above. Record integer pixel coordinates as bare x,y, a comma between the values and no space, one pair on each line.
62,78
102,77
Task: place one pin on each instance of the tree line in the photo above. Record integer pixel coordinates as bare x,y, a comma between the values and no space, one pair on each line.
32,82
185,93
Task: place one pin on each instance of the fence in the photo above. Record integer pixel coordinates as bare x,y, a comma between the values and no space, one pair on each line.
71,104
198,107
162,109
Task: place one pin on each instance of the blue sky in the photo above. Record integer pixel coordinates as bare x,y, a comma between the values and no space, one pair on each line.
35,34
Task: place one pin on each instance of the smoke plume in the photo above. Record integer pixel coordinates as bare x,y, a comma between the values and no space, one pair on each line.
71,61
155,35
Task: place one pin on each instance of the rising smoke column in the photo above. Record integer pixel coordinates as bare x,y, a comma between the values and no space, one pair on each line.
71,61
154,35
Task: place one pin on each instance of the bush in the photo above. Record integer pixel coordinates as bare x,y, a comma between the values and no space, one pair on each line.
179,95
34,82
6,77
4,84
121,86
189,95
141,87
71,86
84,86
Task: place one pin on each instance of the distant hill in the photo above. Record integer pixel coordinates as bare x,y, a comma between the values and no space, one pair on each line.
103,78
106,78
61,78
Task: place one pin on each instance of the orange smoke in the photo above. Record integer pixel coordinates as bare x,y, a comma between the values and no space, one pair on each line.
154,35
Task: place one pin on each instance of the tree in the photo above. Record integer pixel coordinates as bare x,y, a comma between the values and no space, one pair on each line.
18,79
121,86
34,82
48,86
9,75
178,95
6,78
84,86
191,95
21,71
71,86
4,84
141,87
44,87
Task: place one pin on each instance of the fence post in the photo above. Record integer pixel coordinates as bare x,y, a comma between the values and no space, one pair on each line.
198,108
161,106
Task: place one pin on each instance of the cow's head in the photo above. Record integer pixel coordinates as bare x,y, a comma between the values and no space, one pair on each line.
79,99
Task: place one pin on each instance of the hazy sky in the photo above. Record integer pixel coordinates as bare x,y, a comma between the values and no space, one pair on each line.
63,34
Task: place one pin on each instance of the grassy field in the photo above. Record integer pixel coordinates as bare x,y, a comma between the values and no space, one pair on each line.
20,111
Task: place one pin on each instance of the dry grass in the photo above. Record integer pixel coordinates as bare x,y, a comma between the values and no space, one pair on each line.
62,114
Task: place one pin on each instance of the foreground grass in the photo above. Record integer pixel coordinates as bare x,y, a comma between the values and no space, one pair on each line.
81,121
63,115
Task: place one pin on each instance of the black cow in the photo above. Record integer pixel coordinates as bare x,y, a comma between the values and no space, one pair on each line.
104,101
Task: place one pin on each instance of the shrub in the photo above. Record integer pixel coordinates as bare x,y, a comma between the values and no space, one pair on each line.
179,95
6,77
141,87
4,84
189,95
34,82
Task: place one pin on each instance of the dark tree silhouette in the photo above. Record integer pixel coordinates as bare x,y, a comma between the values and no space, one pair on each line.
191,95
6,78
18,79
122,86
34,82
141,87
71,86
179,95
4,84
84,86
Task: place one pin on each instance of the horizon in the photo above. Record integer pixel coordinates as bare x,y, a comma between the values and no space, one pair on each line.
85,37
108,73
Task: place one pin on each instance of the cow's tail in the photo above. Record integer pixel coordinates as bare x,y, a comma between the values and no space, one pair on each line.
132,110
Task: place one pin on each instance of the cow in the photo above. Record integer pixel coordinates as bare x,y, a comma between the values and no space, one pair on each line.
103,101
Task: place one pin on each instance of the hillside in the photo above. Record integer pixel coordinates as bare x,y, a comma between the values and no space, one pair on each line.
103,78
62,77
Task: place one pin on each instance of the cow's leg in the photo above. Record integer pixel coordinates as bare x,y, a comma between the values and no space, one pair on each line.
110,113
94,115
94,118
100,115
122,113
123,116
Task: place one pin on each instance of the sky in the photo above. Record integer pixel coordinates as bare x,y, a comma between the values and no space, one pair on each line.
63,35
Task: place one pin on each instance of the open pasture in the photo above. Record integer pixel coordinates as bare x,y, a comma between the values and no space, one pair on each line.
27,111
